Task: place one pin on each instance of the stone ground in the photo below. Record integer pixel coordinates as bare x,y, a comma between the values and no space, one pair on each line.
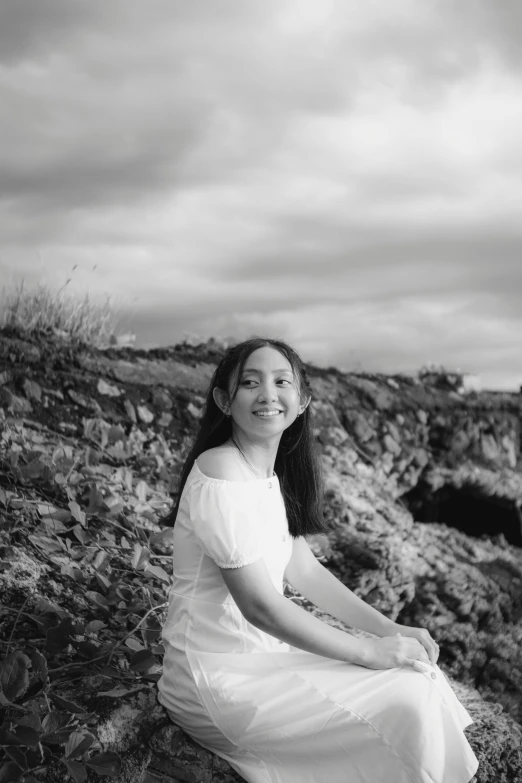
393,450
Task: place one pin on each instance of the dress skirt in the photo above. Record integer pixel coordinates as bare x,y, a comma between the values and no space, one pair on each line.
295,717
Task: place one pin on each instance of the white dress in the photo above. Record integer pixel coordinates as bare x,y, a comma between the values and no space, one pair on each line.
278,714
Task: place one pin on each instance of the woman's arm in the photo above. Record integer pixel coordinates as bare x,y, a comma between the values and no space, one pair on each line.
262,605
306,574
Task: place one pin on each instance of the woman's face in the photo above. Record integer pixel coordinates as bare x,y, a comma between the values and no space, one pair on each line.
267,400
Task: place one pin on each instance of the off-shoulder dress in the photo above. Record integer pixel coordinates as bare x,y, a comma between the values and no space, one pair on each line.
276,713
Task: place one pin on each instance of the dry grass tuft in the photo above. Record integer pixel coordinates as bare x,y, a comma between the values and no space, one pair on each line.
41,309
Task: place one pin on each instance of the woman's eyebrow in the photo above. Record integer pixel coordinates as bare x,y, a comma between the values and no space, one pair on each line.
260,372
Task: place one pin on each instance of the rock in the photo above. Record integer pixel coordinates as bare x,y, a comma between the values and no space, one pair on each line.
144,414
161,399
195,412
460,442
24,572
165,419
393,431
83,401
510,448
116,433
489,447
32,390
130,717
21,351
107,390
466,590
130,411
327,425
494,737
17,405
334,436
373,449
324,414
68,426
391,445
379,396
175,756
358,425
420,457
151,372
54,393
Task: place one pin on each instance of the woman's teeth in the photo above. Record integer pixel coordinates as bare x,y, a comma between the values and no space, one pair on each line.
265,414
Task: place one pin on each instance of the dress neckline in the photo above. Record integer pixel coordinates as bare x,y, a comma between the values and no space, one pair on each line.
228,481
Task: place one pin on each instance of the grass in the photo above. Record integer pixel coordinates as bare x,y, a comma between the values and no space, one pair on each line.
40,309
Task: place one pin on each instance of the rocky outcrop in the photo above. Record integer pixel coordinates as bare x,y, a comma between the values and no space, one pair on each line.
396,452
423,494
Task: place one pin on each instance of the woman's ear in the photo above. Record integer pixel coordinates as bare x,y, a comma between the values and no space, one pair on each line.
221,400
305,402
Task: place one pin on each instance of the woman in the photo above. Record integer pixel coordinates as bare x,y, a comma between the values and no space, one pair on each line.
250,675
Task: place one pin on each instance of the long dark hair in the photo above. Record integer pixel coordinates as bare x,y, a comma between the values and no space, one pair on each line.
296,465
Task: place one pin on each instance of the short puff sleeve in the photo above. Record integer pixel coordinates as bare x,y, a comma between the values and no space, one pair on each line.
225,522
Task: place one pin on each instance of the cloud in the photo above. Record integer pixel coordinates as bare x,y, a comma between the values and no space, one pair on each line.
229,166
397,336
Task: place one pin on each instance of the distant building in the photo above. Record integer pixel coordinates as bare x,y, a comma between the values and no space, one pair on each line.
470,383
450,380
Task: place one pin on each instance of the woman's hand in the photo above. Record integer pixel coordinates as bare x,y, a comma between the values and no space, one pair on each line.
391,651
423,636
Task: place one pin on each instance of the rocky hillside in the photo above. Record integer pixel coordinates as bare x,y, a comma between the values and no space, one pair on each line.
424,491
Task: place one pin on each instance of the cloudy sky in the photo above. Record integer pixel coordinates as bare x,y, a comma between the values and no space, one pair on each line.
345,175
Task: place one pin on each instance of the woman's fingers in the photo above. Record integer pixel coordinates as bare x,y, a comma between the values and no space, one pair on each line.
431,647
423,655
415,649
428,644
418,652
433,650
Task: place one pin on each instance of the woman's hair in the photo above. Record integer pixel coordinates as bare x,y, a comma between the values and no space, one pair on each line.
296,463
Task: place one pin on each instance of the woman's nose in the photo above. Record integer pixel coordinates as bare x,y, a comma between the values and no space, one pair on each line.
267,392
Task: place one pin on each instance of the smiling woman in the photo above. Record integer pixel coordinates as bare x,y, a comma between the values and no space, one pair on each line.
279,694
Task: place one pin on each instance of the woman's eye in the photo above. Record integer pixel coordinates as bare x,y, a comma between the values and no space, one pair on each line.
251,382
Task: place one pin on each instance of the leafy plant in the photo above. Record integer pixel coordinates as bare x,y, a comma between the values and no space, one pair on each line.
86,513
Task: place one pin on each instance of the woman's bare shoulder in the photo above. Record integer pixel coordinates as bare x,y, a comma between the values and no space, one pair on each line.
221,463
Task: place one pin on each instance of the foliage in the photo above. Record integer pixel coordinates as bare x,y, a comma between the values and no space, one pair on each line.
40,309
84,513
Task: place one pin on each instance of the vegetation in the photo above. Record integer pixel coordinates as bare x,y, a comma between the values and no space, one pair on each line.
79,518
41,309
82,560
